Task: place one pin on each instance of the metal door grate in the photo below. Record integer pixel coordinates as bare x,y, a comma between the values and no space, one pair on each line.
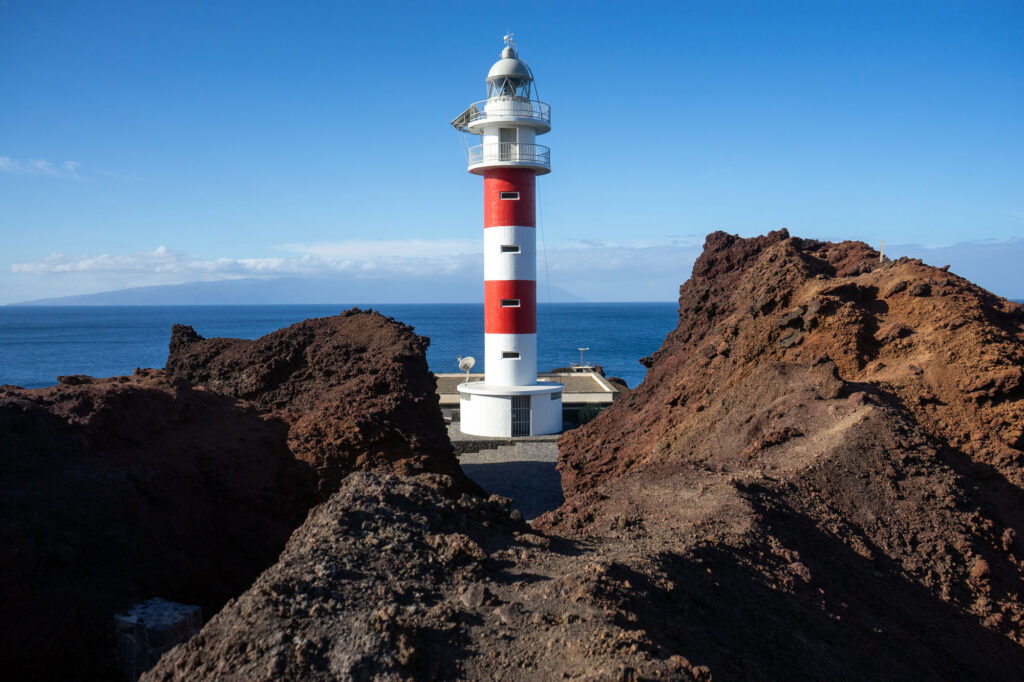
520,415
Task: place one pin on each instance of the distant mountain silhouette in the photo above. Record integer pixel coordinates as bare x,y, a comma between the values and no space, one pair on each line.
299,290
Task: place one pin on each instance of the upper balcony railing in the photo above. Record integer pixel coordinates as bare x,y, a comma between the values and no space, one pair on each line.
512,154
498,110
511,106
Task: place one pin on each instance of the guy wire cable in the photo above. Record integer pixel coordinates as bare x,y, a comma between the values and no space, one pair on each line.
544,244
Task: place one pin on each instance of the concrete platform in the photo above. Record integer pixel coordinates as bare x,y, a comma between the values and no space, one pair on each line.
524,471
464,442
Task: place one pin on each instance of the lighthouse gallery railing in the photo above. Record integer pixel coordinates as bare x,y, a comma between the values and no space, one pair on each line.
508,107
510,152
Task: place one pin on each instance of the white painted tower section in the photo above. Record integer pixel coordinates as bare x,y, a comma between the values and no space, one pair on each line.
510,252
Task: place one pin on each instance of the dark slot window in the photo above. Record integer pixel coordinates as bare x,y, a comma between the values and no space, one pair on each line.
510,248
510,355
510,196
510,303
556,396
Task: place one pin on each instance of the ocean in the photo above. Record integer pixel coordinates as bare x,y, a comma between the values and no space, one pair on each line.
38,343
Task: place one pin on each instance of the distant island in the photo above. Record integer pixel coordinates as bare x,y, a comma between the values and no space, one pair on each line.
297,290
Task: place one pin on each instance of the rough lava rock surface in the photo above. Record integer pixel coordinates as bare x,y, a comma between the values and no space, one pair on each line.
818,479
392,579
825,461
113,491
354,389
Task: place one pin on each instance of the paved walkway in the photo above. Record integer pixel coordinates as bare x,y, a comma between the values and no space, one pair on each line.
463,442
524,472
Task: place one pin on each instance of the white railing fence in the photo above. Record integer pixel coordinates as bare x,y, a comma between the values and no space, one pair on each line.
503,107
510,152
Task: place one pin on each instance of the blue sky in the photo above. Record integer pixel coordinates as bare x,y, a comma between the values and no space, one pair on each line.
165,142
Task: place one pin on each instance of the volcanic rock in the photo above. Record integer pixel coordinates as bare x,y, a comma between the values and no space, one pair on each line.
114,491
855,492
620,385
149,629
921,289
354,390
391,579
844,506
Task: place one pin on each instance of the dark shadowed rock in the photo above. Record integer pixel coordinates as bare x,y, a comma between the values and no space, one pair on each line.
920,289
114,491
897,288
620,384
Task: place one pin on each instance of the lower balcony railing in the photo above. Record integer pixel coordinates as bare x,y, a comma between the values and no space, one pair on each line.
510,152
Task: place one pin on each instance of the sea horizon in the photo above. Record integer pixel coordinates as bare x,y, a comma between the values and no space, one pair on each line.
39,343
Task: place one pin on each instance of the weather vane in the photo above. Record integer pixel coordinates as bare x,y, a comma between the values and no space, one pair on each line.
508,40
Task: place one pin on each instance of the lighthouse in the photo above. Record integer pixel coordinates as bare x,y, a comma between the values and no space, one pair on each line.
509,401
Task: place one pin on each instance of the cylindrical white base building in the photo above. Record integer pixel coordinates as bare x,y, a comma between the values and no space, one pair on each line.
507,411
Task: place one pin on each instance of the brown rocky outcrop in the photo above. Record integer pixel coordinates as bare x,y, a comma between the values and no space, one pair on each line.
354,390
117,490
819,478
838,441
785,497
391,579
113,491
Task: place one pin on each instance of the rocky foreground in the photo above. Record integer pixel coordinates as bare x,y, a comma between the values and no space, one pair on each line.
820,477
185,484
392,579
824,462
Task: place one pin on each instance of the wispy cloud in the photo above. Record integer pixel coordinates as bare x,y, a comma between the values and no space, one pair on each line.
596,270
386,249
38,167
599,270
160,262
991,263
355,258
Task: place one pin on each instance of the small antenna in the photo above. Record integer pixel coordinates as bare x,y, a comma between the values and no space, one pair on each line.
466,364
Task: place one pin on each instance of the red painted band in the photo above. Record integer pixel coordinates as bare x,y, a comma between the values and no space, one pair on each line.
521,211
510,320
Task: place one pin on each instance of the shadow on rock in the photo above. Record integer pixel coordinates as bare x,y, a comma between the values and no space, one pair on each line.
119,490
798,603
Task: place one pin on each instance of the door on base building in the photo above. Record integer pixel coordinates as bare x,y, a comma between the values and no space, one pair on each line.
520,415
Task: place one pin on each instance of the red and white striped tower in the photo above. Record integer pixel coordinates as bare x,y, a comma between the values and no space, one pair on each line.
510,401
